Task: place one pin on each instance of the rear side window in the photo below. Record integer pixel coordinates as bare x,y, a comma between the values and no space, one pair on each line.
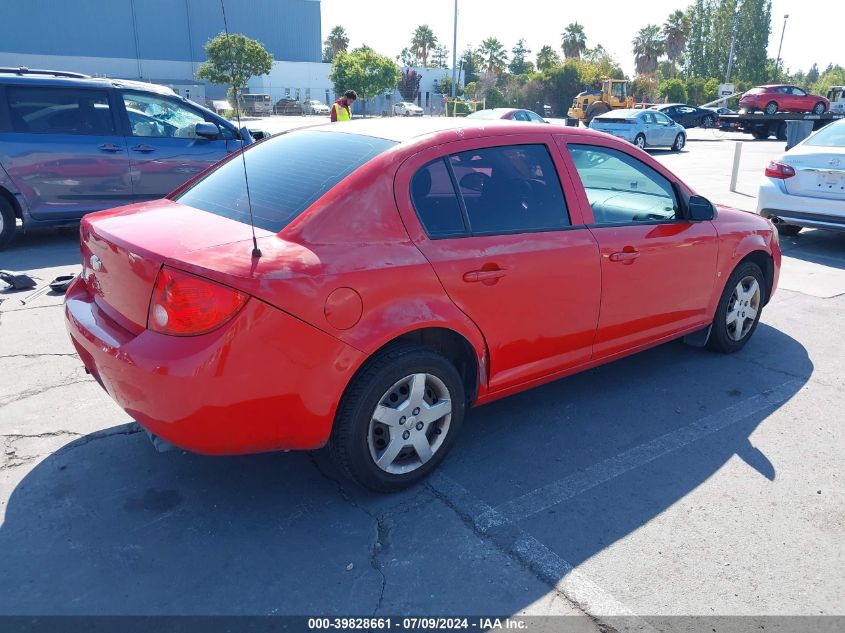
435,201
287,174
35,110
622,189
509,189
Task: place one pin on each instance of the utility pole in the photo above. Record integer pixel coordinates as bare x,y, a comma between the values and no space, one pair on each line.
733,45
777,61
455,52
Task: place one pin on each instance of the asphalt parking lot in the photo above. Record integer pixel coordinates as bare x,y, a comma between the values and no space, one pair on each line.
674,482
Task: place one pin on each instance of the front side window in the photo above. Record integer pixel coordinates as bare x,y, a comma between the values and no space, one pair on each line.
151,115
798,92
622,189
662,119
287,174
60,111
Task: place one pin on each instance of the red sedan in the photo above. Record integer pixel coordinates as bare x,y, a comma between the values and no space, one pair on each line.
407,271
783,98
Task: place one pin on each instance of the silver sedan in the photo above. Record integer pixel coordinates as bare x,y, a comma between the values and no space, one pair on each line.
643,128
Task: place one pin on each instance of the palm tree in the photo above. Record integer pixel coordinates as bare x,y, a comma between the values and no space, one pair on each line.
422,42
648,47
336,42
494,54
547,57
573,41
675,32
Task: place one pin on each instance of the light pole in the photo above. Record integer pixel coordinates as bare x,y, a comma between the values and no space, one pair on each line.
777,61
455,52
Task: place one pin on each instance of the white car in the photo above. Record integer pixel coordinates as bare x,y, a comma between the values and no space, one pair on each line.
806,185
406,108
314,106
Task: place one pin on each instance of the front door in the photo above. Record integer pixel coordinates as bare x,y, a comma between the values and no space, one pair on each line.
498,230
658,268
63,151
164,150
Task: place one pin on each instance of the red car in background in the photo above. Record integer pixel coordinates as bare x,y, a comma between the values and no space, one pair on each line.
408,271
783,98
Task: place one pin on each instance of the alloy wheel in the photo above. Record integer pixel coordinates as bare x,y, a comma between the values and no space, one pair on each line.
640,141
409,423
743,307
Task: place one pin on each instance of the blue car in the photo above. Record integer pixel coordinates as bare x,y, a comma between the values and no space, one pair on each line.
71,144
643,128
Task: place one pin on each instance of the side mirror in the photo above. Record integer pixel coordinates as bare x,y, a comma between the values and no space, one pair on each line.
700,208
207,130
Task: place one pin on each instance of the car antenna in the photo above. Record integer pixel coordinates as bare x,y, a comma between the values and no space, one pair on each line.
256,252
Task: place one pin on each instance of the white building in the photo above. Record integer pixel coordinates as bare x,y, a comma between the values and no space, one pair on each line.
309,80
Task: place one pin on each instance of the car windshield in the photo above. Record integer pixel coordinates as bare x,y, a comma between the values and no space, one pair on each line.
828,136
287,174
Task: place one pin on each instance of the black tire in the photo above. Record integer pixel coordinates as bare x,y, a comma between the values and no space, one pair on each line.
708,121
679,143
760,136
720,338
819,108
7,222
639,141
788,230
780,134
771,108
596,108
348,445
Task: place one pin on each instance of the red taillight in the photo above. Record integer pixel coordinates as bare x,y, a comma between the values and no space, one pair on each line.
185,305
779,170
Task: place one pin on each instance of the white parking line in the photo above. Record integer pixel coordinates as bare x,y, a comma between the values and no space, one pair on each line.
558,491
550,567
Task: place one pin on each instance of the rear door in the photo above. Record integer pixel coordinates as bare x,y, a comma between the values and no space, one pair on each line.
665,129
493,216
658,268
164,150
63,150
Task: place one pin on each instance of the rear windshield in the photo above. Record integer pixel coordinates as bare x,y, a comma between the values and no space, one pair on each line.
287,174
829,136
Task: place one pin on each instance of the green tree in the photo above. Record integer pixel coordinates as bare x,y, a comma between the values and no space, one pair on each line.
233,60
832,76
471,63
754,24
695,91
673,90
812,75
336,42
547,58
675,33
648,46
696,55
422,43
440,57
519,65
573,41
562,84
407,58
494,55
364,71
644,88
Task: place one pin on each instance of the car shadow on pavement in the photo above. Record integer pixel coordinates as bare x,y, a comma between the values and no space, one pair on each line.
816,246
55,247
106,525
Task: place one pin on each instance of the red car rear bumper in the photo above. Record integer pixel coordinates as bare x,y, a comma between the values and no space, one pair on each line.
258,383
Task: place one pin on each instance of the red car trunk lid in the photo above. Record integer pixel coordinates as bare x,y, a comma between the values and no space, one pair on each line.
124,248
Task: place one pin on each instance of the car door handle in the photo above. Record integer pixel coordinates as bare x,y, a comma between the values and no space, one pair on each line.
143,148
110,147
624,256
485,276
